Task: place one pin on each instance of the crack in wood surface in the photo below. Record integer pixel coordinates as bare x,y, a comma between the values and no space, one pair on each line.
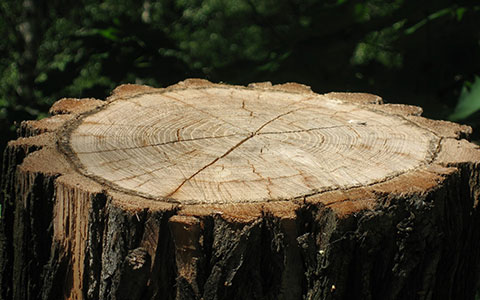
320,128
289,148
244,108
200,110
228,151
215,137
160,144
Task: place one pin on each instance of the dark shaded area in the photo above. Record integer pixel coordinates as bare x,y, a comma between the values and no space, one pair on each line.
25,250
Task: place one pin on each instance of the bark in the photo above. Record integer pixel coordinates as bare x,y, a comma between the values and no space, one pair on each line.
67,235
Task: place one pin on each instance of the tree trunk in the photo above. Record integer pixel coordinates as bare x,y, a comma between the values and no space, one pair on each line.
211,191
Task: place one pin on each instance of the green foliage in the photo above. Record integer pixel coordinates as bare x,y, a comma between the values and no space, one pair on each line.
469,101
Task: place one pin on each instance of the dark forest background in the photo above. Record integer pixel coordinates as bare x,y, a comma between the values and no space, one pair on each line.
425,53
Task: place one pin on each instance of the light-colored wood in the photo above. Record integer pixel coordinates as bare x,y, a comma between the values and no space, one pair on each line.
230,144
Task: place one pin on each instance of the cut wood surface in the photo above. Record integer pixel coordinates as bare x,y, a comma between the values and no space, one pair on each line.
220,144
214,191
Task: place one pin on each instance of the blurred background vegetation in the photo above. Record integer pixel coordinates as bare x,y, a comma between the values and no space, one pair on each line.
425,53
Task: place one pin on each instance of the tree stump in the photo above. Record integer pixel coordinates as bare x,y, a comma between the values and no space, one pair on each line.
212,191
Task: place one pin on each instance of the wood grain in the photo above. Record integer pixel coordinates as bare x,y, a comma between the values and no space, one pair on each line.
227,144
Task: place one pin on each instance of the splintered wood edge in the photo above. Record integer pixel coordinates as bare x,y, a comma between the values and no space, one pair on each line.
454,151
126,91
74,106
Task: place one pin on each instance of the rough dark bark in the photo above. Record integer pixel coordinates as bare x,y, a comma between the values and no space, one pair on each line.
63,235
30,237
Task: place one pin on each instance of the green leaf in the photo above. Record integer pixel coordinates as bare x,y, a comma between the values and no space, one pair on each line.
110,33
460,12
431,17
468,103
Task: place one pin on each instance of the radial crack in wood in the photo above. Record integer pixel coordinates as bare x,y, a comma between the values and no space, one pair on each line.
202,141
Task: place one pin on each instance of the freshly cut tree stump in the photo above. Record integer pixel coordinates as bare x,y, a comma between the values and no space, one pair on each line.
212,191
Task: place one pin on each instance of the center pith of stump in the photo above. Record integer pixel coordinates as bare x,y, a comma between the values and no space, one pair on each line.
226,144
